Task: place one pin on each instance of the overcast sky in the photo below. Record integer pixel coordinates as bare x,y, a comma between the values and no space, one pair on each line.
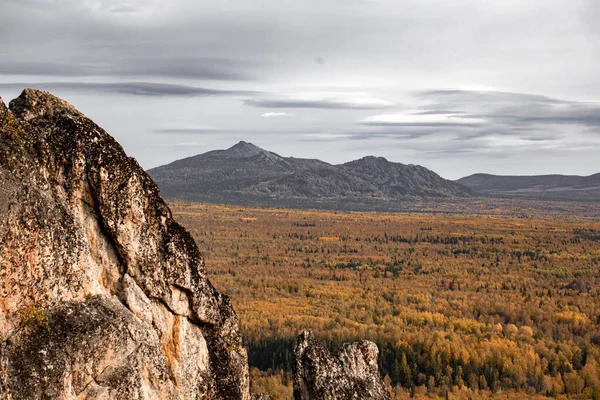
461,86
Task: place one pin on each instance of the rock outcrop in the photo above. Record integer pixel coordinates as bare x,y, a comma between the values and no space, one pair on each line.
103,295
352,373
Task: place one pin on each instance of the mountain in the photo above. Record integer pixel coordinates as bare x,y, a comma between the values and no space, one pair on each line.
547,187
235,167
248,174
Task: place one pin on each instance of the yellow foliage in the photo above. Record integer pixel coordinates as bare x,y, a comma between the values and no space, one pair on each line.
572,317
329,239
466,290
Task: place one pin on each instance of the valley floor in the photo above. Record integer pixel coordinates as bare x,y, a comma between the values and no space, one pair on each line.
501,303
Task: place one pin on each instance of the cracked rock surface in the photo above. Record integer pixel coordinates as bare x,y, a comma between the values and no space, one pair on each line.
350,374
103,295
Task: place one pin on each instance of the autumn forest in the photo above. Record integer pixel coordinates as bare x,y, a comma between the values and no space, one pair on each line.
491,304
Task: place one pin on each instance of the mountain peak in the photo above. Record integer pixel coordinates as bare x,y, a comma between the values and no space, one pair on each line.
374,159
369,161
243,149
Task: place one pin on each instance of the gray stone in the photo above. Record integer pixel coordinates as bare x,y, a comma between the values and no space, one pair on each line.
352,373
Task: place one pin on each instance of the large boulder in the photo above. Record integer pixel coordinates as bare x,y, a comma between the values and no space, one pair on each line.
350,374
103,295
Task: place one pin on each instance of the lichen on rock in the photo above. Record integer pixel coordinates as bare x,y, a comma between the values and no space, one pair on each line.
9,127
86,237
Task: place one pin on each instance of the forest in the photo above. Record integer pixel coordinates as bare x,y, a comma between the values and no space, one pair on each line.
499,303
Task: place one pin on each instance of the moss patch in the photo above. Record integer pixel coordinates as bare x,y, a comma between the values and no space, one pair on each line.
9,127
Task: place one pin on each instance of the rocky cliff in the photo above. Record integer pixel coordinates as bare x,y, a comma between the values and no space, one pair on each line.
103,295
350,374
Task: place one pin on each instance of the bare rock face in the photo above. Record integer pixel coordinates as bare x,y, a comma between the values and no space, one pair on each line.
352,373
103,295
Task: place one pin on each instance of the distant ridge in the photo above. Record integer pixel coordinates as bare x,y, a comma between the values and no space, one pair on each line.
546,187
248,174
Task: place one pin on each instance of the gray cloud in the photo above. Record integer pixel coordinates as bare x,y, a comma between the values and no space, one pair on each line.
486,97
186,131
129,88
498,126
520,110
203,130
404,133
488,114
181,68
437,125
318,104
589,118
439,112
41,68
123,9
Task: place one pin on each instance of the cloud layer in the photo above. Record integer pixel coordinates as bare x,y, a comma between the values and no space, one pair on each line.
128,88
461,86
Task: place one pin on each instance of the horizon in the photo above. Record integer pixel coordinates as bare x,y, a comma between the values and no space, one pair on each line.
459,88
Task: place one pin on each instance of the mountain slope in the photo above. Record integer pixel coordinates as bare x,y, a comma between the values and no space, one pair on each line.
557,187
247,174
